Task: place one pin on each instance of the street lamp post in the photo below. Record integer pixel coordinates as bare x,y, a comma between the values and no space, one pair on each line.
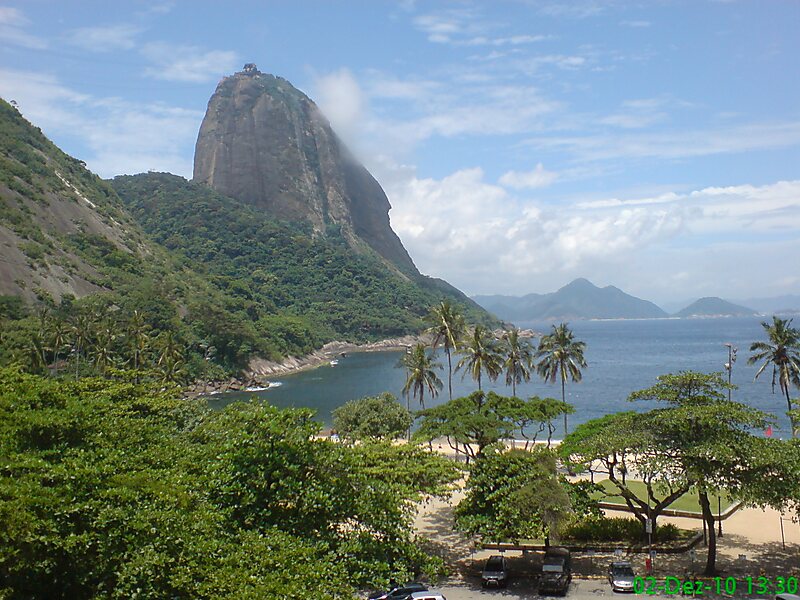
729,365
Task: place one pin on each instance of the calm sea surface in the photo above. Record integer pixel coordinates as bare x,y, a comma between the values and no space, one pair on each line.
622,356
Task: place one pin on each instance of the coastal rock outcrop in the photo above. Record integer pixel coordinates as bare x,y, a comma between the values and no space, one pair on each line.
265,142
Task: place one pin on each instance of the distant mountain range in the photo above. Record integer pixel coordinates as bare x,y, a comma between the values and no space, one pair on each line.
581,299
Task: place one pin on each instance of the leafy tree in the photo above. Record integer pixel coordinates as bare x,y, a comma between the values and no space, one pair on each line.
517,359
420,374
480,354
560,356
538,413
782,352
447,328
471,422
617,444
513,495
375,417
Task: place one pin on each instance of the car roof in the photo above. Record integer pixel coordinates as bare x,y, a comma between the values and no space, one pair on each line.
621,563
556,552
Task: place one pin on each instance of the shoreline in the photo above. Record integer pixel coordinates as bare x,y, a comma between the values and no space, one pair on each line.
260,370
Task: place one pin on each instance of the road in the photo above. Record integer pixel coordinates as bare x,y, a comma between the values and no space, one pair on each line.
580,589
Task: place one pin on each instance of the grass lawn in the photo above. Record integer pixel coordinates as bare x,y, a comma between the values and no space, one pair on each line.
687,502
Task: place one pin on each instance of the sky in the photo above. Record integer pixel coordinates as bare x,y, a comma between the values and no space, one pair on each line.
653,145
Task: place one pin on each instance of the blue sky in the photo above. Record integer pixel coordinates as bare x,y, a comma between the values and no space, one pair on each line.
651,145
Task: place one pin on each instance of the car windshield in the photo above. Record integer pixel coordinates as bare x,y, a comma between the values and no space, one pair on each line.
495,563
623,571
552,568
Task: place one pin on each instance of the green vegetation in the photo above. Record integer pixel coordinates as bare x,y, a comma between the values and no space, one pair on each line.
420,374
619,529
512,495
118,490
268,267
698,441
782,352
371,417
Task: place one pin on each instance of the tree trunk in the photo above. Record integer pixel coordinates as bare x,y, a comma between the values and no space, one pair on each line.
449,371
563,399
789,404
708,517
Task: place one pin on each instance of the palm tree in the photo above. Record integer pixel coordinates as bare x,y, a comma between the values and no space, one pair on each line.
783,353
171,362
480,354
517,359
103,351
420,374
561,357
81,334
138,340
58,338
447,328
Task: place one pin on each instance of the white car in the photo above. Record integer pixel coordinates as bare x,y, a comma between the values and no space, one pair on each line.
427,595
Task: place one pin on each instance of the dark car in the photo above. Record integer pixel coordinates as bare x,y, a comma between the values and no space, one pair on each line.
556,572
495,572
400,593
621,576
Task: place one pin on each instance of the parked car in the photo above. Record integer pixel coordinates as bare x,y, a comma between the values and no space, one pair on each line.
495,572
427,595
556,572
621,576
400,593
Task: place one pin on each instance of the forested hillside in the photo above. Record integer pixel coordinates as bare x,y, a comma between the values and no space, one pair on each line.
176,276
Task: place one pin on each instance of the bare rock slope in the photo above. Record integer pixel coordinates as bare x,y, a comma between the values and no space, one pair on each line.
264,142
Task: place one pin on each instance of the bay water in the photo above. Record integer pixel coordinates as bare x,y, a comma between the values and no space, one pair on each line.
622,356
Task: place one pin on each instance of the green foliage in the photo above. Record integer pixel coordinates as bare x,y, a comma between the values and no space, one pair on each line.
380,417
475,421
601,529
513,495
118,490
276,267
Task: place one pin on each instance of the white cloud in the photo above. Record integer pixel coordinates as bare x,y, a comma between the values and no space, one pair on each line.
12,24
676,144
341,100
12,16
483,239
537,178
105,39
188,64
118,136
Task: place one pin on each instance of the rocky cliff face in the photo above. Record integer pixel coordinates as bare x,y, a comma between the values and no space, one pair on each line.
264,142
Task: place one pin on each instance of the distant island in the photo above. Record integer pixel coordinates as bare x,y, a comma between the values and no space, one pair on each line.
581,299
715,307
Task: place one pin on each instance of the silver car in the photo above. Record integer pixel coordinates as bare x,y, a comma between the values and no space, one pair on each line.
621,576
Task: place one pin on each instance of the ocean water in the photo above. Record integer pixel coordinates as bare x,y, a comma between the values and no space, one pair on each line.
622,356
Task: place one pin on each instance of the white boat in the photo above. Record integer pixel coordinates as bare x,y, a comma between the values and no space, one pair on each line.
334,362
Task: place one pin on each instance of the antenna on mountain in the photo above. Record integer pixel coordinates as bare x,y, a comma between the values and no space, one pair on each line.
250,69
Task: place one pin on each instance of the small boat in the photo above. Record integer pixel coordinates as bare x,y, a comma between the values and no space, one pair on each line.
334,362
